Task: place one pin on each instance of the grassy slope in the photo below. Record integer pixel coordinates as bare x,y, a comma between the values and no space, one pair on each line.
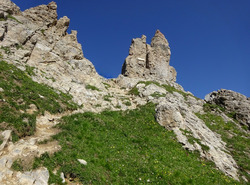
19,92
125,148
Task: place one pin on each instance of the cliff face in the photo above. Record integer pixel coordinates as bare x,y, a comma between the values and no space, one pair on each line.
37,42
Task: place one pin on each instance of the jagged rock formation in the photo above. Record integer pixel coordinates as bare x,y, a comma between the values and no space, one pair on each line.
150,62
35,39
234,103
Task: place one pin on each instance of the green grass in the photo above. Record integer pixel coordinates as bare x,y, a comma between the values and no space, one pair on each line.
212,107
125,148
134,91
19,46
19,93
107,86
42,31
91,87
157,95
6,49
238,141
30,70
13,18
17,165
127,103
107,97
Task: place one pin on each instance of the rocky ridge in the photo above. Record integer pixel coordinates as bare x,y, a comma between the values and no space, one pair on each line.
37,39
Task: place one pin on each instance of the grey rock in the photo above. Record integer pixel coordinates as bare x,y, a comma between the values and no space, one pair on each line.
9,7
149,61
6,135
36,177
43,15
174,113
62,177
152,89
82,161
233,102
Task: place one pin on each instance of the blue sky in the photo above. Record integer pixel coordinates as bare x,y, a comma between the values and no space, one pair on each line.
209,39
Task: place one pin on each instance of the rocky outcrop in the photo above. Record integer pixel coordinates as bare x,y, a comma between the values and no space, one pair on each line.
35,38
150,62
235,104
177,114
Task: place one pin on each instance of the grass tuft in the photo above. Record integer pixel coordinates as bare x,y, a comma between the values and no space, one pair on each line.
91,87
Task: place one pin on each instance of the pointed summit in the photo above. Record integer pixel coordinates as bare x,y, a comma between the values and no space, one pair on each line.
158,38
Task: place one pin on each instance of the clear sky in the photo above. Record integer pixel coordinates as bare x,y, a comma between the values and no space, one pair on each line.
209,39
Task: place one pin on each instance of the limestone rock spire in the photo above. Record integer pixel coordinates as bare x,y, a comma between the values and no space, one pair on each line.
149,61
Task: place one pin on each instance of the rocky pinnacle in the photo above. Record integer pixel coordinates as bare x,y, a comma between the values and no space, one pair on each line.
149,61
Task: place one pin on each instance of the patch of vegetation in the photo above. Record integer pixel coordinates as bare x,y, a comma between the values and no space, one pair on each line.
134,91
13,18
17,165
19,46
1,141
208,107
50,78
238,142
98,105
118,106
19,93
42,31
125,148
6,49
127,103
30,70
107,97
149,82
91,87
157,95
44,141
107,86
232,115
2,19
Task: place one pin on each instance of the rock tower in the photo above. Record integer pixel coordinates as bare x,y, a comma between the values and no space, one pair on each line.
149,61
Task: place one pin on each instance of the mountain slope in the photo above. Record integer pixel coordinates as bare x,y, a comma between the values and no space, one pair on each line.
46,73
